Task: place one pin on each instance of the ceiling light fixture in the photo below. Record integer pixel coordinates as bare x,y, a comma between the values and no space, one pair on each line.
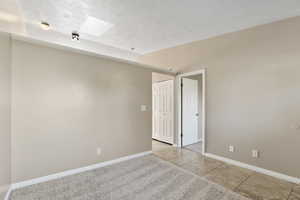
75,36
132,49
45,25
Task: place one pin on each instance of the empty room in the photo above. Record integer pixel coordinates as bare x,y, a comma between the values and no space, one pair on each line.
149,100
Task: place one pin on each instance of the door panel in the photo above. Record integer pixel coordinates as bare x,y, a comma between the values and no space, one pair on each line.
189,111
163,106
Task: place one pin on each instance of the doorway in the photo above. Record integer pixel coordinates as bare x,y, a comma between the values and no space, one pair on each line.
162,111
191,111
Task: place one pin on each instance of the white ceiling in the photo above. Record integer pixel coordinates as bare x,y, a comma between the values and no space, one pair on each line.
146,25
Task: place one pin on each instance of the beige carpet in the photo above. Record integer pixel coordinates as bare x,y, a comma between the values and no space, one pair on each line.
145,178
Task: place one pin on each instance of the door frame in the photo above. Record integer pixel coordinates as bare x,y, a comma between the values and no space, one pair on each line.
179,106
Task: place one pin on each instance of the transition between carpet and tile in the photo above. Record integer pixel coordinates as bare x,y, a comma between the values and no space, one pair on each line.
145,178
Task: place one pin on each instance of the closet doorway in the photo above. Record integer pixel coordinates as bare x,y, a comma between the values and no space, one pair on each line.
163,108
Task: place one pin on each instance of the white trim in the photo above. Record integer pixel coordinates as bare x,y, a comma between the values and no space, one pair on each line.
76,171
201,71
179,77
255,168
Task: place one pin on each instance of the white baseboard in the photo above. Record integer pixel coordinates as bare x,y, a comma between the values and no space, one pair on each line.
8,193
255,168
75,171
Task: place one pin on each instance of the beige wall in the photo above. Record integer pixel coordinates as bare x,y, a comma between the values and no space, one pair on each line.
253,93
65,105
5,80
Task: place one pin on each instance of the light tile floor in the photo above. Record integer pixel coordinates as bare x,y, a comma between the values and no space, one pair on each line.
156,145
295,194
243,181
197,147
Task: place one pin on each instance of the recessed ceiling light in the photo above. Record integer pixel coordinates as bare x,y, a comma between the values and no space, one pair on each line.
45,25
75,36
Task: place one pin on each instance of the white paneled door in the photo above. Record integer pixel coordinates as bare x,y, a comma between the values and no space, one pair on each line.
163,111
189,111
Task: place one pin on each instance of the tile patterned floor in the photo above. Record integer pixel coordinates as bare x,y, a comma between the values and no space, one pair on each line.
261,186
245,182
197,147
295,194
229,176
156,145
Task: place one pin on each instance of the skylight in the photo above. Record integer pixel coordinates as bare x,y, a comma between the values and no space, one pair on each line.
95,27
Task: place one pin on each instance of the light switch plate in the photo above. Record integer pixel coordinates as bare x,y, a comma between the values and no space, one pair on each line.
295,126
231,148
99,151
255,153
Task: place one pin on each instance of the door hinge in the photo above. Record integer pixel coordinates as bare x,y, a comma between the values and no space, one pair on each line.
181,84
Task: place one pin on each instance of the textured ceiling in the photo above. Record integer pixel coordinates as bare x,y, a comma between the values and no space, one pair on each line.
146,25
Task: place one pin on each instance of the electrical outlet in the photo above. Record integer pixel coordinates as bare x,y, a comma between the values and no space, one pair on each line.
99,151
255,153
144,108
295,126
231,148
